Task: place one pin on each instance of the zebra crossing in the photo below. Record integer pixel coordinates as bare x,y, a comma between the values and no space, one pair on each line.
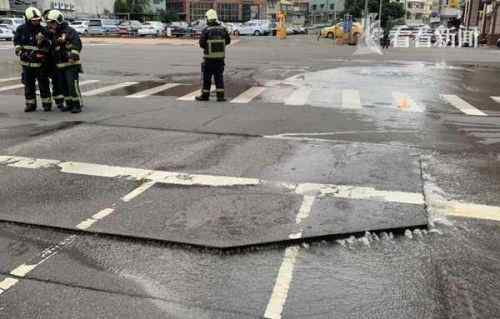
351,99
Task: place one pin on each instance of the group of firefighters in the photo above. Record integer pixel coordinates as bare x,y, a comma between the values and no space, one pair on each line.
49,54
52,54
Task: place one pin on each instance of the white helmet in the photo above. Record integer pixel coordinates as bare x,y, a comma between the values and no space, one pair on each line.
32,13
55,15
211,15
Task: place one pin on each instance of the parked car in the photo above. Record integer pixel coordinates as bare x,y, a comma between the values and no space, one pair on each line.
6,33
157,25
253,27
102,27
130,27
82,27
148,30
12,23
498,43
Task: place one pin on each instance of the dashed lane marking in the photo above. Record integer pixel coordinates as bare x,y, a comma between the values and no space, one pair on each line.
191,96
108,88
154,90
470,210
496,98
22,270
279,295
249,95
462,105
351,99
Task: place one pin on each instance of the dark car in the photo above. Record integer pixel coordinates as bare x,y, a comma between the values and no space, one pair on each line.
498,43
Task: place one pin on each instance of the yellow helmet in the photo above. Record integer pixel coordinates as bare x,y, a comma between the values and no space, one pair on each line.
211,15
32,13
55,15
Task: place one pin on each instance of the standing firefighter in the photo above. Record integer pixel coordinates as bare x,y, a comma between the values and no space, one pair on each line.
66,47
32,46
213,40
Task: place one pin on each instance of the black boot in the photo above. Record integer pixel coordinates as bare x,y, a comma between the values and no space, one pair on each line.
220,97
76,109
47,107
203,97
68,107
30,107
61,107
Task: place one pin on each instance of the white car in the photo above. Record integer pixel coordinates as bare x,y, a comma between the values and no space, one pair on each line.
159,26
256,28
82,27
148,30
6,33
12,23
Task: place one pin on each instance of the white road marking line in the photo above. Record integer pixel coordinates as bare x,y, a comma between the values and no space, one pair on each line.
11,87
496,98
138,191
108,88
179,178
305,209
152,91
191,96
351,99
249,95
7,283
462,105
278,298
470,210
22,270
299,96
87,223
10,79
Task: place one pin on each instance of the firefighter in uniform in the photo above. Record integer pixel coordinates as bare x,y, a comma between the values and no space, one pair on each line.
66,47
32,46
213,41
57,93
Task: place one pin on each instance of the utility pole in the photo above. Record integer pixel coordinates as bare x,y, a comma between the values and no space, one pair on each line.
380,13
366,15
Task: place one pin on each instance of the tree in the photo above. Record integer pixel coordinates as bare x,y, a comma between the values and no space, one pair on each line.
132,6
121,6
390,10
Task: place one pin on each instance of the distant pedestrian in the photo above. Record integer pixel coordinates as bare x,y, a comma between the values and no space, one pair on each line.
66,47
214,39
32,46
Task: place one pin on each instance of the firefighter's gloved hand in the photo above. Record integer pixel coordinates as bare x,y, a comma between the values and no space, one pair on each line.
40,38
61,39
74,57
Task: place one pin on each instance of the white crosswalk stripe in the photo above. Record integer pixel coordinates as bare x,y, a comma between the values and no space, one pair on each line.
351,99
154,90
462,105
108,88
10,79
249,95
191,96
299,96
11,87
496,98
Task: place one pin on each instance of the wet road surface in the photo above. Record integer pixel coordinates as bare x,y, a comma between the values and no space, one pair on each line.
363,189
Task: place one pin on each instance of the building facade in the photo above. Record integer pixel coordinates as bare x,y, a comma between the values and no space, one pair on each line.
325,11
158,5
227,10
490,22
71,8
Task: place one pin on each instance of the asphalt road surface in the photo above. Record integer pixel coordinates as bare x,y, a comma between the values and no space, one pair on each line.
334,183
